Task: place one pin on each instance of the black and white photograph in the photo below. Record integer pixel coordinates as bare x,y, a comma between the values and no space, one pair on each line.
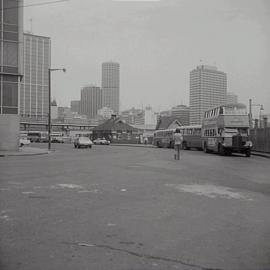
134,134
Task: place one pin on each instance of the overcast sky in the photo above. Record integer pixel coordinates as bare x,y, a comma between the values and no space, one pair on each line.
157,44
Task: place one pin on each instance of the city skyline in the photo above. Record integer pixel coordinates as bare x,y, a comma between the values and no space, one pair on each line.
156,55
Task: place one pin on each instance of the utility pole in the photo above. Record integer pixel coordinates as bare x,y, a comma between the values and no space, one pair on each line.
49,115
250,113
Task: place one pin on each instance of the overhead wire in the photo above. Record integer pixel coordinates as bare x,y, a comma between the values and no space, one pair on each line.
37,4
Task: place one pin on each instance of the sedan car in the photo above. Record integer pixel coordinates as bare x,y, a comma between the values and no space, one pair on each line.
83,142
101,141
24,141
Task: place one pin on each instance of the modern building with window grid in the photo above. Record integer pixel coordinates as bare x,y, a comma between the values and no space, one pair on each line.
91,101
111,85
208,88
11,36
34,100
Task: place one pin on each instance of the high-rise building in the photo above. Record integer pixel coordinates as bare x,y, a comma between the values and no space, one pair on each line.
11,32
208,88
91,100
111,85
182,113
231,98
75,106
34,101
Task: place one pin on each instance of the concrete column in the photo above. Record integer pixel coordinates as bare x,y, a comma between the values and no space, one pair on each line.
9,132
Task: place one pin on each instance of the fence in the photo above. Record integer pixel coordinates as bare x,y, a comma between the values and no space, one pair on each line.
260,138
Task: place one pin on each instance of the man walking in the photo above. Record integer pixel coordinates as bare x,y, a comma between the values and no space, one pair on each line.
178,138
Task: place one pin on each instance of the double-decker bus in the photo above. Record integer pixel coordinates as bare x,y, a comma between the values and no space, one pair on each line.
225,129
191,137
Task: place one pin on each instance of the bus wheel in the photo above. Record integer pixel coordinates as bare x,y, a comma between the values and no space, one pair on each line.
205,149
184,146
221,150
248,153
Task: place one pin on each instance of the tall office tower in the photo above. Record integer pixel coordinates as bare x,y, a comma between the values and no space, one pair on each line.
182,113
75,106
208,88
111,85
231,98
91,100
34,101
11,32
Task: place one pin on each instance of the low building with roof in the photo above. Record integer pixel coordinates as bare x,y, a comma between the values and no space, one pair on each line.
168,122
117,131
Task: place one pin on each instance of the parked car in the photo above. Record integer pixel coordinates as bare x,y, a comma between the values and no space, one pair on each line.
57,139
24,141
101,141
82,142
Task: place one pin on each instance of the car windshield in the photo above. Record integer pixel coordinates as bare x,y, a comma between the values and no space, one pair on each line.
84,139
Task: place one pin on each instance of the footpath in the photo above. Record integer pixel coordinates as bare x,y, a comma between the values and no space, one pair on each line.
25,151
254,153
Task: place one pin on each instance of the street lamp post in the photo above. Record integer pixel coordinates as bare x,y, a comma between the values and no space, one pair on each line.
49,115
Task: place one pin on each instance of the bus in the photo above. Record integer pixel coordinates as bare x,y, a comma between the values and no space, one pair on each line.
37,136
225,129
191,137
164,138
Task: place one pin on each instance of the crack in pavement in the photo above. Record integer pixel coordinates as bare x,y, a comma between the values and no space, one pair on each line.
146,256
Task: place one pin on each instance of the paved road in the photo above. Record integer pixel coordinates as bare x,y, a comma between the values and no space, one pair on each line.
134,208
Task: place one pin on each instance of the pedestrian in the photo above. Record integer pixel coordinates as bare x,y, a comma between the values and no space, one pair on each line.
178,138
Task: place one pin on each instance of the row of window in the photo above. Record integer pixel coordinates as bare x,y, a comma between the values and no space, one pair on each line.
210,133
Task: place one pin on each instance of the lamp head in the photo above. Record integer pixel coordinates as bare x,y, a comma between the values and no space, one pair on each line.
64,70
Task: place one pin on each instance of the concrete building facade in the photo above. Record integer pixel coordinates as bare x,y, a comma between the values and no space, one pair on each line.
11,71
91,100
75,106
208,88
110,84
34,100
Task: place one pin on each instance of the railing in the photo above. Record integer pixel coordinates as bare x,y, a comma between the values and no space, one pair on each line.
260,138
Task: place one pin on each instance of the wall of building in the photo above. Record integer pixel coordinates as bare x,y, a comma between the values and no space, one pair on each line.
11,20
34,101
9,132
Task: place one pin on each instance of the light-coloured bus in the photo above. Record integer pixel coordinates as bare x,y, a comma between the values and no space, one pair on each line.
191,137
37,136
164,138
225,129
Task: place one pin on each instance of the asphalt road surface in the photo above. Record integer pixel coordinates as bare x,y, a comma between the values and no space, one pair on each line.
128,208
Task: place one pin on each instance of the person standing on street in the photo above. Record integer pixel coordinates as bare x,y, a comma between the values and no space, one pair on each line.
178,138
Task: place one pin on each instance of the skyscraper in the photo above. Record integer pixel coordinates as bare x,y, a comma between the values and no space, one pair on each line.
34,100
111,85
11,25
91,100
208,88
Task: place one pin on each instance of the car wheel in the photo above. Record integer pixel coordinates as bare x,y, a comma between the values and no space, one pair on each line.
248,152
221,150
205,149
